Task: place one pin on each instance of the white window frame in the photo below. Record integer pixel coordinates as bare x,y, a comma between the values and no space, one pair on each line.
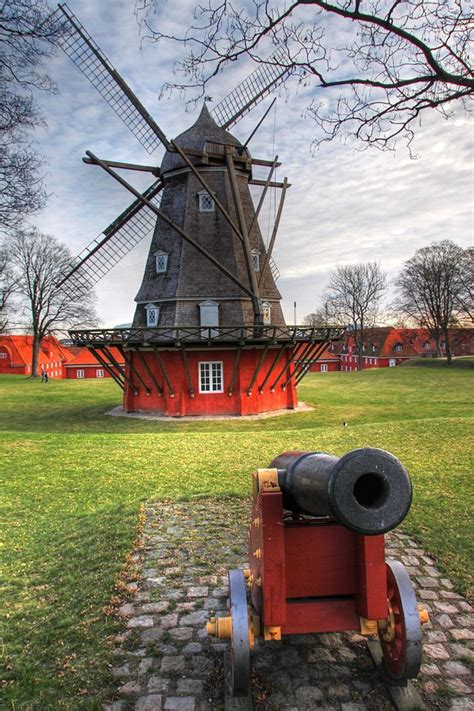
206,202
80,373
99,372
210,365
267,313
149,309
161,262
255,259
324,367
392,362
3,354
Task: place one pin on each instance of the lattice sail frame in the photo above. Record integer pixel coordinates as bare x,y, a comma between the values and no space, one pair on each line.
252,90
115,242
96,67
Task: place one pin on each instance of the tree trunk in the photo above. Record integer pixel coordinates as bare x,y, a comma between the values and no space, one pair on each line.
438,347
360,360
34,362
449,355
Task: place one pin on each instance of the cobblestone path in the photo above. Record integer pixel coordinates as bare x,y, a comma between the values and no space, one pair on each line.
165,662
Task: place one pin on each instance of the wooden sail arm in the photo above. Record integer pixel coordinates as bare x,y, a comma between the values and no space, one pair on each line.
207,188
275,229
244,231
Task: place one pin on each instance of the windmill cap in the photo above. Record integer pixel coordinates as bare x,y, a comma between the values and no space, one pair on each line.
204,130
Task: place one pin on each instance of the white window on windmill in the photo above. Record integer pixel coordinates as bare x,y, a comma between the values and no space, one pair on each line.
255,259
152,315
161,262
267,313
209,318
211,377
206,202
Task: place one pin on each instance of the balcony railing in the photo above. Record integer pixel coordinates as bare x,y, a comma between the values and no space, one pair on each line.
176,336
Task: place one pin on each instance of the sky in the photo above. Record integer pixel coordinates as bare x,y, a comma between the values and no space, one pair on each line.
345,206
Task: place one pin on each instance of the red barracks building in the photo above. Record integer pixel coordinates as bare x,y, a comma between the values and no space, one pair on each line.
54,358
387,347
83,364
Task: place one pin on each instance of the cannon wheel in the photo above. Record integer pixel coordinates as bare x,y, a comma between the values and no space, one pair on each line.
240,645
401,639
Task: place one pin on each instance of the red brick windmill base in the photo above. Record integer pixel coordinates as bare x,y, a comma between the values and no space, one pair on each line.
182,396
204,371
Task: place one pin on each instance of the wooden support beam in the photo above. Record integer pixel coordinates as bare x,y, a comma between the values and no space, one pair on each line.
108,368
313,359
265,163
169,222
298,348
111,358
241,150
187,372
271,184
127,166
164,373
258,369
137,374
300,367
266,184
243,229
301,356
273,366
238,352
150,372
275,229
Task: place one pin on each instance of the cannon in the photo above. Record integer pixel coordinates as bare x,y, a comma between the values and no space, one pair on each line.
317,560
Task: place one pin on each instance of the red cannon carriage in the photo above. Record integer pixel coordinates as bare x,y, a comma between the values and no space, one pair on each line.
317,559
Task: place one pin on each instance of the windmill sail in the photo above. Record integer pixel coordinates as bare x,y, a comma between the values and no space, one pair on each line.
116,241
251,90
89,58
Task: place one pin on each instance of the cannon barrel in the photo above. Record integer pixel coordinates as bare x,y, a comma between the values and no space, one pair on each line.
367,490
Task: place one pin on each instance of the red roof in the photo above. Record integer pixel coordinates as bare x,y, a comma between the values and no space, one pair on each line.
21,348
85,357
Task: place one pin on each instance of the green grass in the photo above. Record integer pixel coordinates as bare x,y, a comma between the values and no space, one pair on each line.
74,480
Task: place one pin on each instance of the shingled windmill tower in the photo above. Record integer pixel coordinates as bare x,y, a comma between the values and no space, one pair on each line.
208,335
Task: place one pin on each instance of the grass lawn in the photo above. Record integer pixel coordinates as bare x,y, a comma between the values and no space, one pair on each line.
73,481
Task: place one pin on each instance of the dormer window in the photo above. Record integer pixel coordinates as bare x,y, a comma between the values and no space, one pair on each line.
209,318
256,259
398,348
152,315
427,346
267,313
161,261
206,203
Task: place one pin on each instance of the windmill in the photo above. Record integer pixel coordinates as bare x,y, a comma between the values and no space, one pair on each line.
208,335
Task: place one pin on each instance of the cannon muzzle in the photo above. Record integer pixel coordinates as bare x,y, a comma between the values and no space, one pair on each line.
367,490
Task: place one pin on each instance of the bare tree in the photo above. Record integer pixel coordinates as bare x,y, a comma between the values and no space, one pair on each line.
354,294
317,318
386,62
39,260
465,295
431,289
27,37
7,286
